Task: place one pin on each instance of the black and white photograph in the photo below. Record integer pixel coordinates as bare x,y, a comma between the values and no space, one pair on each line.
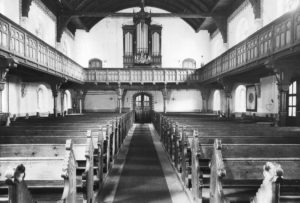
149,101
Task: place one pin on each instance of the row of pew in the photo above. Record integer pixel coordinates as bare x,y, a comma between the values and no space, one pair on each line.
223,161
65,159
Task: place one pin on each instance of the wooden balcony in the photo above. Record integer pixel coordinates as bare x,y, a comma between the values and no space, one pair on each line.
278,39
34,53
141,76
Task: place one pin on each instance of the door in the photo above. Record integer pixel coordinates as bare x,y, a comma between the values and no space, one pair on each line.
142,107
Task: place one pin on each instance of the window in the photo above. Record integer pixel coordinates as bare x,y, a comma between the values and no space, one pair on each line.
217,101
189,63
146,101
292,99
138,101
95,63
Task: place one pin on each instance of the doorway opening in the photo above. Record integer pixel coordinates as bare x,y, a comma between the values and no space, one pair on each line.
142,105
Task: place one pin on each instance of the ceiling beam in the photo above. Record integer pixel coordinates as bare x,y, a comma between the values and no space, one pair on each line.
26,7
256,5
130,15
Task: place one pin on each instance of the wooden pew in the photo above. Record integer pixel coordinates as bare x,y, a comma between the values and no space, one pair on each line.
193,176
245,174
54,173
84,155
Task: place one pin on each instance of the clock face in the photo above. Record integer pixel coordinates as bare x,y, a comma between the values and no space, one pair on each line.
251,98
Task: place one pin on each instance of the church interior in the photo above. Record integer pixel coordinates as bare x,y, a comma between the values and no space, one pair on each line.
149,101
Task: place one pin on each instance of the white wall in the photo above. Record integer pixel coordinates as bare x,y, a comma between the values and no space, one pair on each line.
11,9
100,101
15,103
217,45
105,41
40,23
241,24
184,101
268,102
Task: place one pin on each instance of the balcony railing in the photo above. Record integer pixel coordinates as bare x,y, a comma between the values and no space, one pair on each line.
280,35
143,75
33,52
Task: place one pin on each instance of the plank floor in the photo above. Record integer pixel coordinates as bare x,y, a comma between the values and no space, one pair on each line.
142,178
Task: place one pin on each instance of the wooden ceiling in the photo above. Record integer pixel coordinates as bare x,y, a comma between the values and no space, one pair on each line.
84,14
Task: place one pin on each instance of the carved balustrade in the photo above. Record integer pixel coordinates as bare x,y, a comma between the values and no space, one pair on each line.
34,53
143,75
277,37
281,35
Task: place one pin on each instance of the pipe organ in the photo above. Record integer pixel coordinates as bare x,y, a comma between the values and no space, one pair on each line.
142,42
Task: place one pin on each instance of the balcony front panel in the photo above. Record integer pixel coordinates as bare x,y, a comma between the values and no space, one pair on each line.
145,75
281,35
34,53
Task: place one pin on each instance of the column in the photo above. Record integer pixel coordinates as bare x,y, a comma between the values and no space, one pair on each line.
205,92
62,96
80,97
227,85
228,97
2,85
55,94
284,71
119,95
5,65
165,97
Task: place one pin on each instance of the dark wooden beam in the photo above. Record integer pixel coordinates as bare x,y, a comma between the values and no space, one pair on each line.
26,7
256,5
221,23
62,22
130,15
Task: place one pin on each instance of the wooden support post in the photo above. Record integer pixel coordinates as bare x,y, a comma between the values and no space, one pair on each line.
165,97
283,71
227,86
119,95
217,172
55,94
205,92
6,64
62,95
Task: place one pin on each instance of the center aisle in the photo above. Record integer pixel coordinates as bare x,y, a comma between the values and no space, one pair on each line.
142,178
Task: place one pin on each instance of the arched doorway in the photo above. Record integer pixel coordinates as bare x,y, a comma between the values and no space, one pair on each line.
217,101
240,99
142,104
